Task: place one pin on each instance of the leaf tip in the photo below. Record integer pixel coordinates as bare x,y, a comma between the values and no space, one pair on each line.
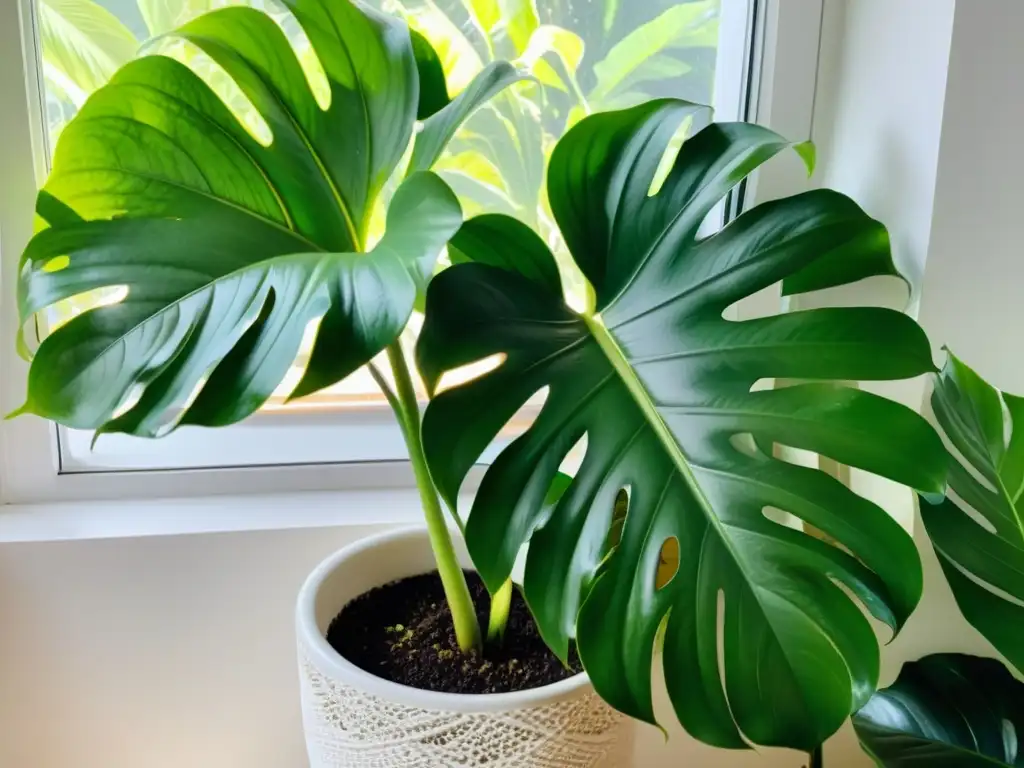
22,410
809,154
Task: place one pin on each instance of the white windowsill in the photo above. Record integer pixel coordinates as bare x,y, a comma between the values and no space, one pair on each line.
207,514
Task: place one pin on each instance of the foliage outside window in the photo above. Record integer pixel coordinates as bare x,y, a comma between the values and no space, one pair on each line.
584,56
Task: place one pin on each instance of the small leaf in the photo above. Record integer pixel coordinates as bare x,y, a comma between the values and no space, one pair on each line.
946,711
984,566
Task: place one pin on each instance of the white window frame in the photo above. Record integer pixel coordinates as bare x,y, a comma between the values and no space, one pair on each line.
780,85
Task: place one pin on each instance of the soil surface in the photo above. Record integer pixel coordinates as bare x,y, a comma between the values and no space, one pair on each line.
404,633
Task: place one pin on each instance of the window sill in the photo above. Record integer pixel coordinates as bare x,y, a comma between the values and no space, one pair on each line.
70,521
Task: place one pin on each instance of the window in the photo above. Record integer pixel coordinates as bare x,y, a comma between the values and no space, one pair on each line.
586,55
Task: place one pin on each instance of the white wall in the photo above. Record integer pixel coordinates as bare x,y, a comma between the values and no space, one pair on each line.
973,283
918,116
878,113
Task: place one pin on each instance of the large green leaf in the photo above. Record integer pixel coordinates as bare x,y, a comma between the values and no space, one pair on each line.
227,248
946,711
659,383
82,44
979,535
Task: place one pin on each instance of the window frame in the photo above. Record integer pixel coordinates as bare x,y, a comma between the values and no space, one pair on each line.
778,81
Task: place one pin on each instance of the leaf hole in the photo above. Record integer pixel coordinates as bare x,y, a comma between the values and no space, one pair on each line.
782,517
620,511
668,159
129,401
464,374
765,384
571,462
62,312
301,362
668,563
761,304
525,415
310,62
746,444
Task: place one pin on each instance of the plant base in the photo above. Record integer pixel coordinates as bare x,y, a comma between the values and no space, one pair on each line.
358,720
404,633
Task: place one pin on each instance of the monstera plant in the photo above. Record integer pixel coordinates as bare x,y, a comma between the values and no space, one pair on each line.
764,641
952,709
210,241
227,246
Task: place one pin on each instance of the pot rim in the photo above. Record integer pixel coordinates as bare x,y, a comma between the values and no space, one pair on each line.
329,661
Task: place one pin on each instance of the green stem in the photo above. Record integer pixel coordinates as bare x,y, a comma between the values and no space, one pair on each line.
817,758
501,603
388,393
456,591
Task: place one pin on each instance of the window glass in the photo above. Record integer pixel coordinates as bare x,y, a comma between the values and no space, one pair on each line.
585,56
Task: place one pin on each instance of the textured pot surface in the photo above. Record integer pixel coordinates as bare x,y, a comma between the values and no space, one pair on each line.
356,720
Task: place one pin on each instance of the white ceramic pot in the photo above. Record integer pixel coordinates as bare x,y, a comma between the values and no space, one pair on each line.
356,720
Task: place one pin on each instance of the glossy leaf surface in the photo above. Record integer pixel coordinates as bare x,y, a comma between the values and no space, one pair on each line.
946,711
659,383
978,531
227,245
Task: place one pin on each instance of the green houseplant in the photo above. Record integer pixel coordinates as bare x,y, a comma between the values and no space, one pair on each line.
661,385
953,709
230,241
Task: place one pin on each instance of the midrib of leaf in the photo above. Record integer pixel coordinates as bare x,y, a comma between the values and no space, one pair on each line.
620,364
350,224
357,239
205,118
669,226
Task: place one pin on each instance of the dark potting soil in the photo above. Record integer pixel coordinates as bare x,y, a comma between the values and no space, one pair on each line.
403,632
